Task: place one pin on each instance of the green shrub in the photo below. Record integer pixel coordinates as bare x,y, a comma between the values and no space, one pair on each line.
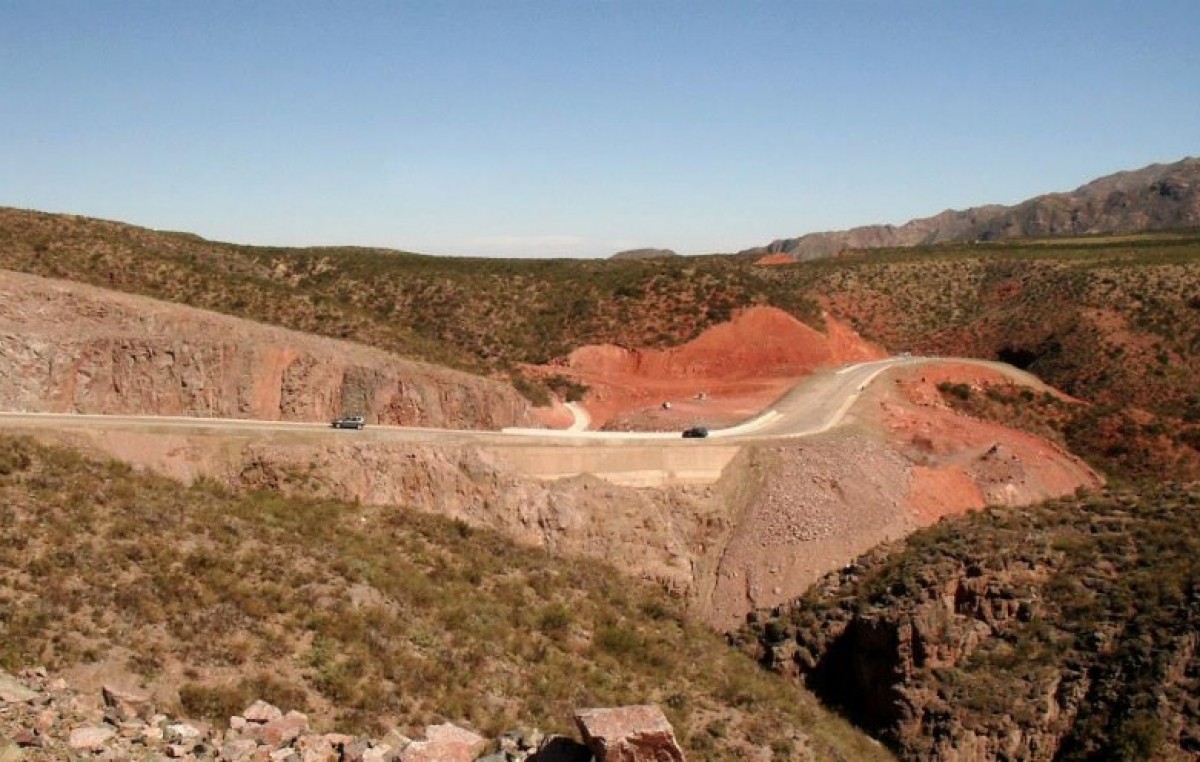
554,619
955,390
215,703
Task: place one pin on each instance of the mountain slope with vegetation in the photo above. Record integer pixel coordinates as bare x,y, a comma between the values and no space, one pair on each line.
1060,630
363,617
1156,197
1064,631
1115,323
478,314
1113,320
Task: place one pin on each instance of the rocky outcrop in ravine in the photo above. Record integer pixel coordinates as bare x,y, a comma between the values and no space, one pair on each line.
43,718
66,347
1157,197
1065,631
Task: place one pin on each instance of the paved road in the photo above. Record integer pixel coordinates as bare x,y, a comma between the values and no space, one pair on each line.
816,404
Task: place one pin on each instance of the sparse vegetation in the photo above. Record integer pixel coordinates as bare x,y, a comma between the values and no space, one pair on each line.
1108,319
1074,620
1130,446
568,389
368,616
362,617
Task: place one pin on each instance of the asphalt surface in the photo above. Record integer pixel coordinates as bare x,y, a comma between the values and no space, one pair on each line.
816,404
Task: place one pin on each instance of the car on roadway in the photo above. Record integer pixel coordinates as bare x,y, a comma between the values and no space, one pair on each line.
695,432
349,422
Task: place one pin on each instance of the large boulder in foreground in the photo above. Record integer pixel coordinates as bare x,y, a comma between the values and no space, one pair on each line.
629,734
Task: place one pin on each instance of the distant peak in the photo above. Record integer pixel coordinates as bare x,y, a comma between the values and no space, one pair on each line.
1155,197
644,254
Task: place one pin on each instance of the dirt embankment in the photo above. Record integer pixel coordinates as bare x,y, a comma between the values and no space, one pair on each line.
662,534
781,515
905,460
65,347
727,374
962,463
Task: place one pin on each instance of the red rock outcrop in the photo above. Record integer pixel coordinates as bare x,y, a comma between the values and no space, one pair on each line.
629,734
66,347
728,373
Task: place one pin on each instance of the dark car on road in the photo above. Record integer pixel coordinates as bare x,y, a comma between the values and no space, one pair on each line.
695,432
349,422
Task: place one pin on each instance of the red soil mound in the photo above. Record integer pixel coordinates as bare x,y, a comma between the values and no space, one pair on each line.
962,463
728,373
775,259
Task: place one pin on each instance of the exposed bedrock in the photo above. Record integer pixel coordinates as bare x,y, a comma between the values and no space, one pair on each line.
71,348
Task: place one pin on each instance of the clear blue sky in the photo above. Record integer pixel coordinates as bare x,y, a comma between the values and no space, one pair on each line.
578,128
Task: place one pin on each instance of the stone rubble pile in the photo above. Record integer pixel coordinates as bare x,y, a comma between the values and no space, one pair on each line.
43,719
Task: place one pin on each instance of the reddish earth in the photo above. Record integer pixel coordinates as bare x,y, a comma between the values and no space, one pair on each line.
727,374
903,461
962,463
775,259
921,386
556,416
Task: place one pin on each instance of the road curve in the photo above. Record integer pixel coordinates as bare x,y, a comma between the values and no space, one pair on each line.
816,404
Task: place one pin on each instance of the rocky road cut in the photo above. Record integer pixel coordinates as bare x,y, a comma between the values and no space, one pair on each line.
815,405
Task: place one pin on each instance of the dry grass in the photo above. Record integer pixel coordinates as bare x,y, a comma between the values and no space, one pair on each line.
1128,446
1099,592
362,617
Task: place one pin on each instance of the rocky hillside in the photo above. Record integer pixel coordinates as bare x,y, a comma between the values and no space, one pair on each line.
364,619
777,518
479,314
1157,197
1065,631
45,718
1079,313
1127,444
1113,323
66,347
1112,320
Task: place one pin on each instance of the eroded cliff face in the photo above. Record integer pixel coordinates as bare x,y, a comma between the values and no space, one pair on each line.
65,347
1057,632
903,461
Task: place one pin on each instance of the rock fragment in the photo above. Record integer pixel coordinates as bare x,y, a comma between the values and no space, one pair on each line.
89,738
261,711
13,692
126,705
629,734
445,743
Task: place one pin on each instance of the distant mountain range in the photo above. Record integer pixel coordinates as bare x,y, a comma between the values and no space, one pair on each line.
1157,197
644,254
